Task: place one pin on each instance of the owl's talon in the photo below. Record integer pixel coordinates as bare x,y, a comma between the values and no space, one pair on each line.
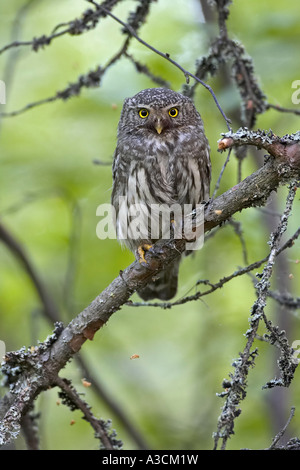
172,227
141,252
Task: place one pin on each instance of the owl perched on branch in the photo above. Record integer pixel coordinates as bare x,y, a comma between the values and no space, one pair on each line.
161,160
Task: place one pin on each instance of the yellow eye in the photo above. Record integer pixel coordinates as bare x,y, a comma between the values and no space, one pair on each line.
173,112
143,113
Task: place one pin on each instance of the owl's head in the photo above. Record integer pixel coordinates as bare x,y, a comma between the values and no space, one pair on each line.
158,110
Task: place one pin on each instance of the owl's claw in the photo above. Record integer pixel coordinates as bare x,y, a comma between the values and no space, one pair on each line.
141,252
172,227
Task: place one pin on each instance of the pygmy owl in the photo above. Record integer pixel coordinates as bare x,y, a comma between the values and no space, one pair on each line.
161,159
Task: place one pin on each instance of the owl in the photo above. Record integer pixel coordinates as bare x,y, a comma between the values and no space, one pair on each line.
161,160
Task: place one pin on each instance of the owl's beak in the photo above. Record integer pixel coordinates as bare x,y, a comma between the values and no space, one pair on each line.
158,125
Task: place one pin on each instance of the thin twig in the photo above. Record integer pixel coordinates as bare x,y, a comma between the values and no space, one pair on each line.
220,283
166,56
88,20
281,433
75,402
282,109
220,175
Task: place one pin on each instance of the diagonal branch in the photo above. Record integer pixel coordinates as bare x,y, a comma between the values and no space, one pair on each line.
71,397
51,312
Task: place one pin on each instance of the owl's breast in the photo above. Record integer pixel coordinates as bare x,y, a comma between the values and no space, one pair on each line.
165,168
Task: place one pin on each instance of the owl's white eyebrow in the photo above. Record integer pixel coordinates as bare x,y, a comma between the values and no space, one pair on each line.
140,106
175,105
148,106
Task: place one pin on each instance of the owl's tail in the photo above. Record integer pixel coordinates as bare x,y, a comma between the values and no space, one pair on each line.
165,287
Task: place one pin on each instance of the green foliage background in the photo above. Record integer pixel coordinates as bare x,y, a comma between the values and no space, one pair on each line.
50,189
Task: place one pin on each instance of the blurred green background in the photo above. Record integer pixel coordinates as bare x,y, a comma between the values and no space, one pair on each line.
50,190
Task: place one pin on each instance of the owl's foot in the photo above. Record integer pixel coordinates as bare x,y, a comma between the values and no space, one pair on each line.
141,252
172,227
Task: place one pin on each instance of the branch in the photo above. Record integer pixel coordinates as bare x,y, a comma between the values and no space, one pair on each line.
92,78
281,109
128,28
71,398
51,312
88,21
282,431
235,388
230,53
284,299
37,369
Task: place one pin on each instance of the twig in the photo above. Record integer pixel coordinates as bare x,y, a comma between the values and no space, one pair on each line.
214,286
239,232
166,56
285,299
281,433
116,409
71,398
221,174
282,109
92,78
88,21
142,68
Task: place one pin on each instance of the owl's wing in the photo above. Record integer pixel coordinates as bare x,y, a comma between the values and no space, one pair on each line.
120,174
204,169
116,158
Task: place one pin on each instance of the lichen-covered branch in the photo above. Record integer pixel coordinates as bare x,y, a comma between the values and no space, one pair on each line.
71,398
235,387
89,20
32,371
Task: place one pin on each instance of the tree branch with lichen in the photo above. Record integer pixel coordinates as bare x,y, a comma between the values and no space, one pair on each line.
29,372
235,387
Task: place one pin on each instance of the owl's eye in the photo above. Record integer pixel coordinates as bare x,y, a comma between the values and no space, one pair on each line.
173,112
143,113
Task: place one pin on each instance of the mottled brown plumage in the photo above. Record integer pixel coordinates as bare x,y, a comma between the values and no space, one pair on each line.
162,157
